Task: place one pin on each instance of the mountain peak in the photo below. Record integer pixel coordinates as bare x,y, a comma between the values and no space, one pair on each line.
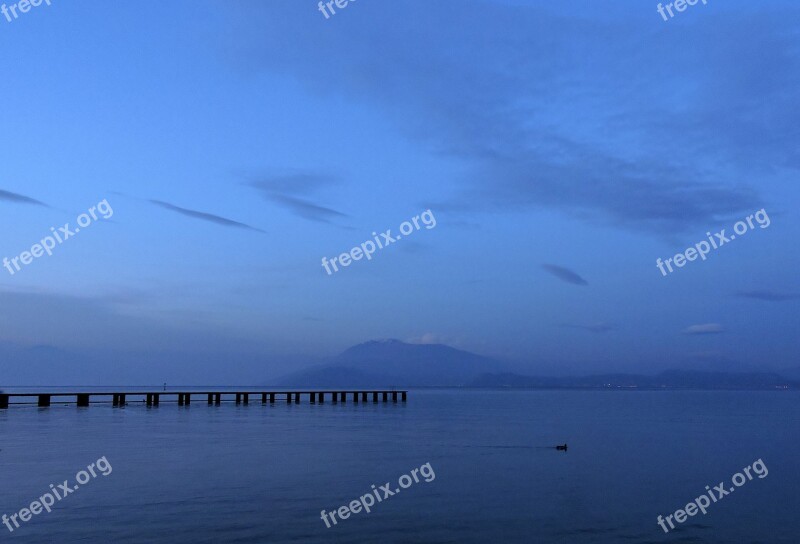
393,362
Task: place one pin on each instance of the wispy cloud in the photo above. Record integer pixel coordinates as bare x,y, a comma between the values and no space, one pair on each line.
211,218
705,328
565,274
538,125
8,196
286,191
769,296
599,328
428,338
295,184
306,209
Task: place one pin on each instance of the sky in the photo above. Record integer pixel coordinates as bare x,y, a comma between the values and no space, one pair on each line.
562,148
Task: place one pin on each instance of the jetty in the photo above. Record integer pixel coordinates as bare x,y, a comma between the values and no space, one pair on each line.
155,398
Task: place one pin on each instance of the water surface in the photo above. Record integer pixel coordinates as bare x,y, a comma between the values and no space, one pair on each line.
210,474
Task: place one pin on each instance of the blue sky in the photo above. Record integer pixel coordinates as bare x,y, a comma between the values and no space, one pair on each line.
587,136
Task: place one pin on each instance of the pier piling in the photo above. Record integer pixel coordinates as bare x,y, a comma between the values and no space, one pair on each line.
44,399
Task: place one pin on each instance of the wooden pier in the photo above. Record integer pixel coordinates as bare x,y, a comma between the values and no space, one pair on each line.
155,398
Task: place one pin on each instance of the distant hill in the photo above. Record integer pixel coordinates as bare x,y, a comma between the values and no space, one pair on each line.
791,373
392,363
670,379
384,363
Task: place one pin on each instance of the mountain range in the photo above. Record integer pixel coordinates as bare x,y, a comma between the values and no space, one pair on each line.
393,363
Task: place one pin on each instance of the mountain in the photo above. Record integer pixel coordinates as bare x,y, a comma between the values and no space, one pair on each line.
385,363
670,379
392,363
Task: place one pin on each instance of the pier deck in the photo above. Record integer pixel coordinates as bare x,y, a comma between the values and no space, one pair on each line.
155,398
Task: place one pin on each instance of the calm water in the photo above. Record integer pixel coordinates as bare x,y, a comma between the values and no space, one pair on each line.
263,473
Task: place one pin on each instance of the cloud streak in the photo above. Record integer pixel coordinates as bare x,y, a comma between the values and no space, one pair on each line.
17,198
598,328
768,296
208,217
705,328
286,192
565,274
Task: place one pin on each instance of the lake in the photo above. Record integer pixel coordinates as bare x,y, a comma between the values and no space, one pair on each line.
264,473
